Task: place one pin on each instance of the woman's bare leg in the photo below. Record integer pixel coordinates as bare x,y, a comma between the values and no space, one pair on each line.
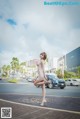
43,91
43,94
39,82
42,83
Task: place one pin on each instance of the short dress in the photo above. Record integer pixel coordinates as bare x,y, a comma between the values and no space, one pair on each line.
41,73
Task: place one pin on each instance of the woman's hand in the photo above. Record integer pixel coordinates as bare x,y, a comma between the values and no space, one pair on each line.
37,62
34,80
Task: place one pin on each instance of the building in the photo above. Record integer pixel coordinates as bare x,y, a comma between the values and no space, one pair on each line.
52,64
61,64
31,68
73,60
55,64
70,61
31,63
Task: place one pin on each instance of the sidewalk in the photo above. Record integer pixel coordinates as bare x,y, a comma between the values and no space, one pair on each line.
64,103
22,109
31,112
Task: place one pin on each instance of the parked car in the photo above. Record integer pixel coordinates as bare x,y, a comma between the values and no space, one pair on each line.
72,82
78,80
0,78
54,81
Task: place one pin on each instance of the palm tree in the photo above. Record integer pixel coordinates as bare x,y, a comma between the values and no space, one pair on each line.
23,68
15,65
8,68
59,73
4,69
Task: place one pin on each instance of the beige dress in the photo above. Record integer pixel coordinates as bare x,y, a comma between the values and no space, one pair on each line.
41,73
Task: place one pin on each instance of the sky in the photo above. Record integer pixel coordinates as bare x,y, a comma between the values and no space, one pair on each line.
28,27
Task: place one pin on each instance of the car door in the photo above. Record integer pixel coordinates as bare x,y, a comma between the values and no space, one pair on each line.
75,82
68,82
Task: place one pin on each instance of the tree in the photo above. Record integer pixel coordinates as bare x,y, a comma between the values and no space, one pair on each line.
4,70
59,73
69,74
23,64
78,72
8,68
15,64
23,68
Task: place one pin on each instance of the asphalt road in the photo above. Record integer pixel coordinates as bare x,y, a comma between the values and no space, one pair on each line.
29,88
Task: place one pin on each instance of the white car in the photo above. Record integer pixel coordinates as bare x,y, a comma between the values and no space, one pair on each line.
72,82
30,79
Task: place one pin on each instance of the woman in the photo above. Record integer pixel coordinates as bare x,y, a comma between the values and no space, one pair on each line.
41,80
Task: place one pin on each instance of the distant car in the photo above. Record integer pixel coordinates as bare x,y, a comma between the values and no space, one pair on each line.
0,78
72,82
30,79
55,82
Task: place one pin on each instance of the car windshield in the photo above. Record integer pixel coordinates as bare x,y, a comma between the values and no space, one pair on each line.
51,76
69,80
74,80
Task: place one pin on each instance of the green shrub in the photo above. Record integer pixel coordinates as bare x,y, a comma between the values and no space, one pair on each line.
13,81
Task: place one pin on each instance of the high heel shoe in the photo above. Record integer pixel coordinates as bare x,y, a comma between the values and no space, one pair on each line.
45,100
42,104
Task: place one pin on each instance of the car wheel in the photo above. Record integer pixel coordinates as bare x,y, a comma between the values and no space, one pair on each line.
77,85
37,86
71,84
50,85
61,87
